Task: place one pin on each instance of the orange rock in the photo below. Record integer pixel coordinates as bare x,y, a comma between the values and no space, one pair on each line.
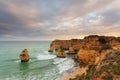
24,56
116,47
55,45
92,42
114,42
100,57
61,53
71,51
87,56
51,49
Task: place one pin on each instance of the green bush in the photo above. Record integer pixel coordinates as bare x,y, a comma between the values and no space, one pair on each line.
116,69
105,47
22,54
102,40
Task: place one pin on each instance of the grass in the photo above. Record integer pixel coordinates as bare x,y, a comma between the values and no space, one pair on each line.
116,69
22,55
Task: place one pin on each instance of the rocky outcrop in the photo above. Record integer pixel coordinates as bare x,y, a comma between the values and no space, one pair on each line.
71,51
24,56
65,44
55,45
92,42
116,47
61,53
106,68
100,55
87,56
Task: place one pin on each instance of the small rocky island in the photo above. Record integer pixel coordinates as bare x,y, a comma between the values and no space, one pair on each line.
24,56
98,55
61,53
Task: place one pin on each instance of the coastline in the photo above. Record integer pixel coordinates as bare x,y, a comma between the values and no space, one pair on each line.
98,57
76,72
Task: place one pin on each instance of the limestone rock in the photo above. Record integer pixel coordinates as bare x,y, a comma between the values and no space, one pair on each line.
87,56
117,47
51,49
56,44
61,53
92,42
114,42
24,56
71,51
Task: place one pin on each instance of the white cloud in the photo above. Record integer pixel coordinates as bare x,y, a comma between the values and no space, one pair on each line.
60,18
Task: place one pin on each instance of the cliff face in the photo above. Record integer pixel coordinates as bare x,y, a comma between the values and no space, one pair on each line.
92,42
55,45
61,53
100,54
106,67
87,56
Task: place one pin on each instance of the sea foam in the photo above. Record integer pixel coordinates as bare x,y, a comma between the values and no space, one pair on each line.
64,64
45,57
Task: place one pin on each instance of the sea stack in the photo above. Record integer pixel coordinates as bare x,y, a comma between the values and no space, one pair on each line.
61,53
24,56
71,51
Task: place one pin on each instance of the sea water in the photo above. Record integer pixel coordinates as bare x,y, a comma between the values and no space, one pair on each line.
42,65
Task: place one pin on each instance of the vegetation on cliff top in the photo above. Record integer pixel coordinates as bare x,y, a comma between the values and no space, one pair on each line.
100,54
107,69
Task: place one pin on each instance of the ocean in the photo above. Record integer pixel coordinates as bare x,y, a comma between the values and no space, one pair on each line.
42,65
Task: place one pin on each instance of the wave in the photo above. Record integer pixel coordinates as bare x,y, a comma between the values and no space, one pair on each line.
64,64
59,60
45,57
17,61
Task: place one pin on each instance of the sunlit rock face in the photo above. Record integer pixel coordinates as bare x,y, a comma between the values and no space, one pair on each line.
24,56
65,44
55,45
71,51
87,56
116,47
100,54
61,53
92,42
114,42
106,67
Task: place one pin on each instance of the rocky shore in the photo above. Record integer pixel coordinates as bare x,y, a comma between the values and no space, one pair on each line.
98,57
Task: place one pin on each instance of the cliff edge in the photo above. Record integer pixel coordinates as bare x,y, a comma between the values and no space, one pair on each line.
99,54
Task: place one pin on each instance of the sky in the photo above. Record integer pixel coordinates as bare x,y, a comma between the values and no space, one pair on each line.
24,20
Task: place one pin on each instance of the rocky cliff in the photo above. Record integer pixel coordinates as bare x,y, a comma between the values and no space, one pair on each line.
92,42
100,54
105,67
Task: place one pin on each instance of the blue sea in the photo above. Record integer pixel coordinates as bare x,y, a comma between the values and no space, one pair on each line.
42,65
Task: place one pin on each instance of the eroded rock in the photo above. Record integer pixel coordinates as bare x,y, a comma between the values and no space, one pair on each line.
61,53
24,56
87,56
92,42
71,51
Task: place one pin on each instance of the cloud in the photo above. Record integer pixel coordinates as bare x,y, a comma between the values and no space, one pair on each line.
46,19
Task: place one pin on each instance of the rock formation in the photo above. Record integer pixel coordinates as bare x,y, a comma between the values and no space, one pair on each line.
24,56
71,51
87,56
55,45
61,53
100,54
92,42
108,68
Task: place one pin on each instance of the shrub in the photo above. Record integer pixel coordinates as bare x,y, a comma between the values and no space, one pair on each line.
102,40
116,69
22,54
105,47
